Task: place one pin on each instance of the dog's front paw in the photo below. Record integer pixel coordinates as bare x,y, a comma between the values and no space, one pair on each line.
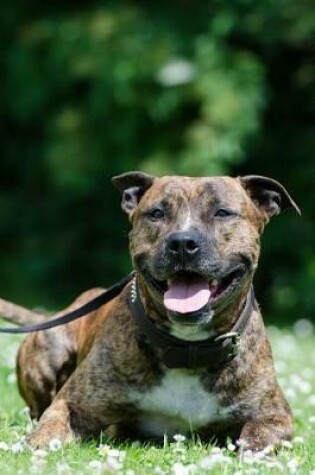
46,437
255,448
264,435
53,425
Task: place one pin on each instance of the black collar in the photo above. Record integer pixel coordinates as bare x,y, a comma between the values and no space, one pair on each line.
176,353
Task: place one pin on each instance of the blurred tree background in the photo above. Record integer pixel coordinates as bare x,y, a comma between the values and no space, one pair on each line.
92,89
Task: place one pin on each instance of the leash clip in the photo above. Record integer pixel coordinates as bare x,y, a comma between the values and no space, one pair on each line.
235,339
133,290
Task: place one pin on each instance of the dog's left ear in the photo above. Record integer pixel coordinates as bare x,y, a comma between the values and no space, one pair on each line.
268,194
132,185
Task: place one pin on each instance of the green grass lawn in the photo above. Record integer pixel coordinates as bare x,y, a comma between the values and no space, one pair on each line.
294,353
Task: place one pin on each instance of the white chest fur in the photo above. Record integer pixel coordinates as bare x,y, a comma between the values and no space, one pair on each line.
178,404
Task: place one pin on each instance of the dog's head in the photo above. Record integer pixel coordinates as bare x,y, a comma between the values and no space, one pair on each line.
195,241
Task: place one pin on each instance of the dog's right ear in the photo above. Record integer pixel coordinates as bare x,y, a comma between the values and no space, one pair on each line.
132,185
268,195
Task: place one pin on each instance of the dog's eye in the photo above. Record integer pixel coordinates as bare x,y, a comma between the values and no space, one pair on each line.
156,214
224,213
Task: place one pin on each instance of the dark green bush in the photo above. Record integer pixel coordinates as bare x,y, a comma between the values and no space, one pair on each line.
95,89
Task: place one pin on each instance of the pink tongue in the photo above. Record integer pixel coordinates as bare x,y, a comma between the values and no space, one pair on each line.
185,297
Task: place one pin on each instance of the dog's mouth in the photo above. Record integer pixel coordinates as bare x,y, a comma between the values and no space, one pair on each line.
190,293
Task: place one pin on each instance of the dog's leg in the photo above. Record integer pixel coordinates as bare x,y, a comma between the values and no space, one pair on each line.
44,362
257,434
68,422
46,359
92,399
54,424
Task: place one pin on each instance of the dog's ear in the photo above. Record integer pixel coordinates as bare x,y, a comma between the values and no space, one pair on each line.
268,194
132,185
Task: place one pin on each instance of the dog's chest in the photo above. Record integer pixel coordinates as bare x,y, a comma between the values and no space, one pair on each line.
179,403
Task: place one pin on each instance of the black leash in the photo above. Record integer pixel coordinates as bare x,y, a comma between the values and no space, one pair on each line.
90,306
177,353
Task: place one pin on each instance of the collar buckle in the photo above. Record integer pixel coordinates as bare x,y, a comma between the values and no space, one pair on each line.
234,342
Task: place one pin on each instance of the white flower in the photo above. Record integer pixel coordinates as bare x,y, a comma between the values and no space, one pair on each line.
269,449
303,328
260,455
231,447
275,464
95,464
210,461
40,453
216,450
37,462
308,373
248,457
292,465
159,471
4,446
121,454
305,387
17,447
62,467
103,449
29,428
287,444
180,469
179,438
298,440
114,463
55,444
289,345
11,379
311,400
291,393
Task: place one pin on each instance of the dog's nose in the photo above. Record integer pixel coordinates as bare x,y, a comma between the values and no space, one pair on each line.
183,244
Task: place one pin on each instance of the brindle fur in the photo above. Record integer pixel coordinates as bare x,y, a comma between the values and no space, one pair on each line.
77,379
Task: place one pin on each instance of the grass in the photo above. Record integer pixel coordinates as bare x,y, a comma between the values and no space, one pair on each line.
294,354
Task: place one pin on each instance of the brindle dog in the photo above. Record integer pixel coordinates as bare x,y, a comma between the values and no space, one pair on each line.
194,245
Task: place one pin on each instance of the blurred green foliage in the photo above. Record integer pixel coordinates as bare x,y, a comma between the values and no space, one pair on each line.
92,90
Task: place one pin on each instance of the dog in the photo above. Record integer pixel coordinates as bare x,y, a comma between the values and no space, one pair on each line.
183,348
